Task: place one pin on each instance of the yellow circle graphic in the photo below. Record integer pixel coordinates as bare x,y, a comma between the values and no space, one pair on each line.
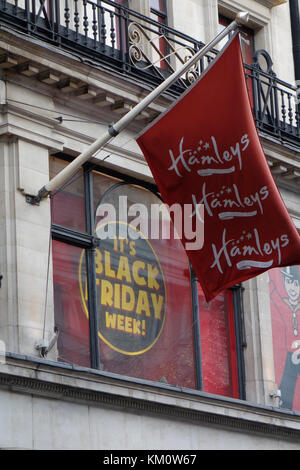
130,289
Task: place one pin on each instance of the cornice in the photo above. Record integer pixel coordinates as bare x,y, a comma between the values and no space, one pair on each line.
271,3
284,162
52,381
68,81
257,19
73,76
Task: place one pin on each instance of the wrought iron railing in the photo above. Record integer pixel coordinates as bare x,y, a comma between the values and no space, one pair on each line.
137,46
275,105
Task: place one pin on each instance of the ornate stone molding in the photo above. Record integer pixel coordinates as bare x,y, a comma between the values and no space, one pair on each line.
154,407
272,3
64,76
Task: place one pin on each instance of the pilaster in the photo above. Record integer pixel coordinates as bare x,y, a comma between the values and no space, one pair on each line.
259,361
25,319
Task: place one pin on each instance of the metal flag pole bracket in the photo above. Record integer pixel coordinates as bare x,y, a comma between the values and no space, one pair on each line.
114,129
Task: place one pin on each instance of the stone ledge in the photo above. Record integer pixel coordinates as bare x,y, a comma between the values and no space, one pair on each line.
85,386
272,3
65,74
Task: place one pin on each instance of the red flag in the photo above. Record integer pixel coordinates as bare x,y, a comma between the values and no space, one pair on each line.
206,150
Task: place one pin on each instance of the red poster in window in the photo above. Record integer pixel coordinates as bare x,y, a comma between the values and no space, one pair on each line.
144,309
206,150
144,302
285,313
73,326
218,345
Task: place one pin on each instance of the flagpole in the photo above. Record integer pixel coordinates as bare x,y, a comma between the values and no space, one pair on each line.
114,129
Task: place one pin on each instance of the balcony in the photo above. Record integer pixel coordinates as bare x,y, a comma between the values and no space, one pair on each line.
137,47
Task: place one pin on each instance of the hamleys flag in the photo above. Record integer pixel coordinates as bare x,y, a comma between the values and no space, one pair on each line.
206,151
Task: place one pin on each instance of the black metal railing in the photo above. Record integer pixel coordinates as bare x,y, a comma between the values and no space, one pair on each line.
147,51
274,101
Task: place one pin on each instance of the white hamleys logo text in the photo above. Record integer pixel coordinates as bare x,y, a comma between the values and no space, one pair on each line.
229,203
249,244
208,153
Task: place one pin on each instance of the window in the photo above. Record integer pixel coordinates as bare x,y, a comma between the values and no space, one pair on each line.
218,345
247,39
120,26
68,205
125,297
74,331
158,12
284,288
247,47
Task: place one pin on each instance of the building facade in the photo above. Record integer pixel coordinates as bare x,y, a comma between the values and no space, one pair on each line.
110,344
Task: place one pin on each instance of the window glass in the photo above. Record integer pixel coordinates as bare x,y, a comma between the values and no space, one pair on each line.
284,288
142,312
158,13
144,294
68,202
101,186
158,5
218,348
247,39
70,318
247,48
120,26
99,22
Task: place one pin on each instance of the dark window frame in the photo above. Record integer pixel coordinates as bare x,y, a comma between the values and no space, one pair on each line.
162,14
162,19
251,32
89,242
